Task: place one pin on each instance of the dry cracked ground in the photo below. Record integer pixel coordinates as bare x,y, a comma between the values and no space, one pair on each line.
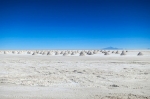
56,77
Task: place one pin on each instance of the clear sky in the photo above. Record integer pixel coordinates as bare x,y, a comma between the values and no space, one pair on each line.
74,24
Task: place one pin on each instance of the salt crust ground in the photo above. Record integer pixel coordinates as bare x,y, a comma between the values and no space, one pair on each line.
75,77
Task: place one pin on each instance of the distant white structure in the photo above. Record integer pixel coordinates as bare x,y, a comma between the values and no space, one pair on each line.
73,53
28,52
117,52
57,53
140,54
19,52
49,53
123,53
65,54
82,53
90,53
44,53
106,53
34,53
5,52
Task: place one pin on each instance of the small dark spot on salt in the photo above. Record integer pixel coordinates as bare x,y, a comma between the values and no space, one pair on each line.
75,71
114,85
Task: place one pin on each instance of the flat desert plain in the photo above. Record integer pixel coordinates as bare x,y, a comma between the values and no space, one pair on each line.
96,76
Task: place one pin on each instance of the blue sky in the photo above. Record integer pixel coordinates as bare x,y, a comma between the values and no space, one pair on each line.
74,24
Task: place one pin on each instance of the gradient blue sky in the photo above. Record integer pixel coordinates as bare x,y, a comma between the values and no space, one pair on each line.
74,24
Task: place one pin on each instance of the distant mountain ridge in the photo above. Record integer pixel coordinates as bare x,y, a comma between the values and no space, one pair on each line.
111,48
